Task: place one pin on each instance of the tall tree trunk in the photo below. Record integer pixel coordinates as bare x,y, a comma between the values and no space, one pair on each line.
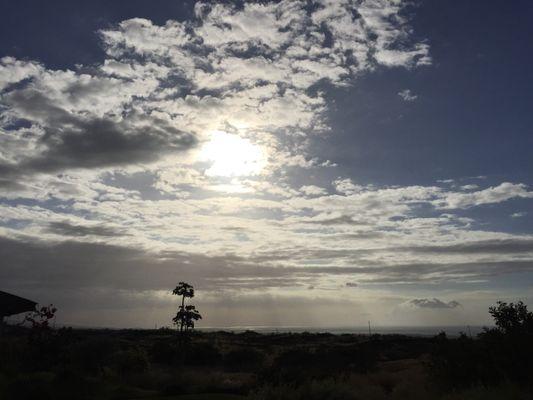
183,314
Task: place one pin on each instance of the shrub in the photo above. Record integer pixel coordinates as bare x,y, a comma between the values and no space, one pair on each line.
202,354
503,354
30,387
244,359
133,360
314,390
92,355
164,352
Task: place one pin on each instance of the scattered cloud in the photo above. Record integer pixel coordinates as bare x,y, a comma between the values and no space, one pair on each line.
470,187
312,190
495,194
407,95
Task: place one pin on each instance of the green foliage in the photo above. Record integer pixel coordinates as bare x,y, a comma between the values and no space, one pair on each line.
460,363
164,352
298,365
313,390
503,354
184,290
512,318
505,391
92,355
244,360
31,386
202,354
187,315
105,364
132,360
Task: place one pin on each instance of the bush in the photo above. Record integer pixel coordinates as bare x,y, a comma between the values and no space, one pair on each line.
133,360
202,354
92,355
30,387
15,354
499,392
300,364
503,354
314,390
164,352
244,359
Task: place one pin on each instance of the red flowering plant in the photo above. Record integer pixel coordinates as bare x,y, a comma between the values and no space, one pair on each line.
40,318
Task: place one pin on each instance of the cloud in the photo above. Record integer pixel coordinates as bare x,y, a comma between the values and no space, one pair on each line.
67,229
74,264
406,95
13,71
226,66
434,304
494,246
470,187
334,220
47,264
312,190
495,194
72,141
346,186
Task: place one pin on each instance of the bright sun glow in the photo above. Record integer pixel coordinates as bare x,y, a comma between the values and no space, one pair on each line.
231,155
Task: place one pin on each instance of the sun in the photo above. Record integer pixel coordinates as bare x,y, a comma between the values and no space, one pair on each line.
231,155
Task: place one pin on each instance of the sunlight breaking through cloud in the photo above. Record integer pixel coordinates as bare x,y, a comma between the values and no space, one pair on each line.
230,155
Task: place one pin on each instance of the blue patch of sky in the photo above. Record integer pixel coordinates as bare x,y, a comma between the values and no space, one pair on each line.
63,33
472,115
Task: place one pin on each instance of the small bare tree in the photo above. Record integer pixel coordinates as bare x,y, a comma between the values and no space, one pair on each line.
187,314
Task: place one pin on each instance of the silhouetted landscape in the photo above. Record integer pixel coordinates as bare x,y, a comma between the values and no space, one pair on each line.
39,362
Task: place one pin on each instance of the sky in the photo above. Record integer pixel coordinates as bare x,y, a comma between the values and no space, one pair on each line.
302,163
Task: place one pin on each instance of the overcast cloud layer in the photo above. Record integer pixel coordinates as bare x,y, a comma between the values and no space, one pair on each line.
186,155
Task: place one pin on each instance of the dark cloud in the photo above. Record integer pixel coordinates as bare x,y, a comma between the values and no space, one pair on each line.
72,264
342,220
496,246
116,277
75,141
68,229
9,184
433,303
361,235
430,273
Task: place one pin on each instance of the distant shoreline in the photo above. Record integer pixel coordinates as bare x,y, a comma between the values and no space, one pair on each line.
422,331
452,330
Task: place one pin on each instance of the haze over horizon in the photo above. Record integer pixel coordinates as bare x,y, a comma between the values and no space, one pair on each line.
301,163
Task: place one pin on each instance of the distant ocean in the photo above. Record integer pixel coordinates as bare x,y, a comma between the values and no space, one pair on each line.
388,330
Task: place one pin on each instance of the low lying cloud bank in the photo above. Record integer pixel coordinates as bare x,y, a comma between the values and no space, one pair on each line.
433,304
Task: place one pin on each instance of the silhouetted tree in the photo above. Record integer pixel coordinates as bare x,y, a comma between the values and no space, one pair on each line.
187,314
512,318
500,354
